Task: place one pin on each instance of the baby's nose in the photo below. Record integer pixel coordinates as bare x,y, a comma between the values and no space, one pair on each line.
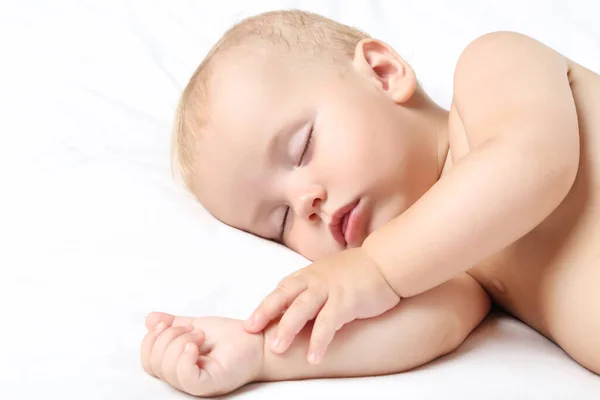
308,204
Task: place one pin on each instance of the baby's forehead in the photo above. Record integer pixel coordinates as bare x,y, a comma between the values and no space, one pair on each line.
249,70
244,95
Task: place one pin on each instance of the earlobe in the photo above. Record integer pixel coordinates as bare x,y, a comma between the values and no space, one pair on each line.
378,61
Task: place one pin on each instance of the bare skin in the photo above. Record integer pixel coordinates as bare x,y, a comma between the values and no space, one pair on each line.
517,193
221,356
516,199
548,278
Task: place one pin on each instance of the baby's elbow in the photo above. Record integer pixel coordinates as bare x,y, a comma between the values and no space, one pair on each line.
452,334
471,306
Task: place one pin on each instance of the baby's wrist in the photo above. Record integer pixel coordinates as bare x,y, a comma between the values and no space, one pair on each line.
368,253
290,365
265,371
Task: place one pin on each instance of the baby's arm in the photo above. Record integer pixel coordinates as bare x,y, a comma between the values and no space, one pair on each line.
513,97
415,332
208,356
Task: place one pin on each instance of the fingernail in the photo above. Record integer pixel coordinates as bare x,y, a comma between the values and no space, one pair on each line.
160,326
252,320
276,343
313,359
188,348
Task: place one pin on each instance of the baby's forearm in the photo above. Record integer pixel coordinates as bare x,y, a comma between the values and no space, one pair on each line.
514,114
417,331
486,202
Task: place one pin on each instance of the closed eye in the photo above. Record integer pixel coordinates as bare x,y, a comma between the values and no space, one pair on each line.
282,231
307,144
304,151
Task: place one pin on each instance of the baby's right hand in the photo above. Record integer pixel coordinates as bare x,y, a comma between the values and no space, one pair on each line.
201,356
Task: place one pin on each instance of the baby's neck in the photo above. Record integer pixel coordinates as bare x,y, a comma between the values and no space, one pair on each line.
435,120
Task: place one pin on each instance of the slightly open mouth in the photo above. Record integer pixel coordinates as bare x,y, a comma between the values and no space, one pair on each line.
340,222
344,223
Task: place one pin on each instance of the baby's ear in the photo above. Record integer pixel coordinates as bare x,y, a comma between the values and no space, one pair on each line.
376,60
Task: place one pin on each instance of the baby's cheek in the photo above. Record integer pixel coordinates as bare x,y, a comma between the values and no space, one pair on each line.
311,241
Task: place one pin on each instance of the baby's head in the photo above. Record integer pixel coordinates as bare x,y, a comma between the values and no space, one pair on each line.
305,131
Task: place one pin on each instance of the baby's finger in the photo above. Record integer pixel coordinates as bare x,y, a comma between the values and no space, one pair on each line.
183,321
275,303
160,346
173,352
148,344
192,379
303,309
326,325
171,320
156,317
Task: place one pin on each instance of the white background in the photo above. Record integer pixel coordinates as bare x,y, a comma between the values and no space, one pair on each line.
94,233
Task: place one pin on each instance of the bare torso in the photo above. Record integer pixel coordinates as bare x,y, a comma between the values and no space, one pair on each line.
549,279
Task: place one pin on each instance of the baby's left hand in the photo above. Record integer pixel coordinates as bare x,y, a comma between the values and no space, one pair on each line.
333,291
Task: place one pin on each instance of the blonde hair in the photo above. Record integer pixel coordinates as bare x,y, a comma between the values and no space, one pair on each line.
294,31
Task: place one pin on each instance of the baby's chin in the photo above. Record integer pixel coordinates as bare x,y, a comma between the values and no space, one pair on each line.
316,251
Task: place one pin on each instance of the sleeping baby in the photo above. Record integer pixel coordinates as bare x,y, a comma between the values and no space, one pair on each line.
310,133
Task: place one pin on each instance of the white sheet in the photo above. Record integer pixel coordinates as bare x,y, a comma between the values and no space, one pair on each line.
95,234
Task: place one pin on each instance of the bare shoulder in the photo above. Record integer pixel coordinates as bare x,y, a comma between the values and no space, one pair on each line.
506,41
508,78
504,49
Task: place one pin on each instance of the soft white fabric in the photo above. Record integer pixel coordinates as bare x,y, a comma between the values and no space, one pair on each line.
95,234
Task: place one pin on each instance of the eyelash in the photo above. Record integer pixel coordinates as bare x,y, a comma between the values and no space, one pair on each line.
306,146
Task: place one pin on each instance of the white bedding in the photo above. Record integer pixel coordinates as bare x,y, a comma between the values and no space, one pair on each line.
95,234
